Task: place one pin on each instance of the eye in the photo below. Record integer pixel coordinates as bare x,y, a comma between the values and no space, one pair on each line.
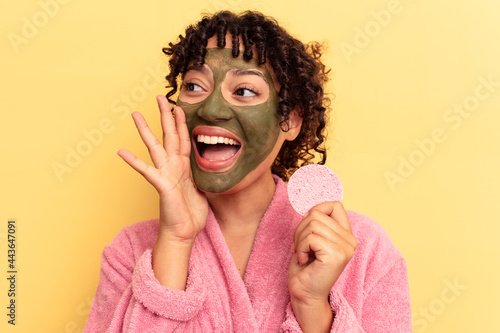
189,86
246,92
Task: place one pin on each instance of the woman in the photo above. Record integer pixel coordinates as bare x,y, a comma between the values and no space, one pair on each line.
228,253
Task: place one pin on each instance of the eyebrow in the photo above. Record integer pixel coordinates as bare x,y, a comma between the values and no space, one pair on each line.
196,67
241,72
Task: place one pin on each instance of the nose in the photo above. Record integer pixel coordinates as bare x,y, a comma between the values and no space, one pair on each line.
215,108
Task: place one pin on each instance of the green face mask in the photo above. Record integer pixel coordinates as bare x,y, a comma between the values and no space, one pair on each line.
255,126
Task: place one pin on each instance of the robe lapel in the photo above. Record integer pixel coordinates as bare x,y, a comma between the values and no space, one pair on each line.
263,294
242,313
266,277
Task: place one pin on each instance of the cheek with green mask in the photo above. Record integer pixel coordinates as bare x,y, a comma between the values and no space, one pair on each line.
256,126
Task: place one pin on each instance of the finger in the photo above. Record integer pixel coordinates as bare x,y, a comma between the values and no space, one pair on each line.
313,217
154,146
323,250
319,223
184,139
139,165
340,236
318,228
318,215
336,211
311,245
170,135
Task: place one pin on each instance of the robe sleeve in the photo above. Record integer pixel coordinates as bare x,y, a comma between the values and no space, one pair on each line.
129,297
386,307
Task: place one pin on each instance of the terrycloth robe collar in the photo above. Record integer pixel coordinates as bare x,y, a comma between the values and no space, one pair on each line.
264,290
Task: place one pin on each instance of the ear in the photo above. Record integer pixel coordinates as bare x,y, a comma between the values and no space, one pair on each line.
294,124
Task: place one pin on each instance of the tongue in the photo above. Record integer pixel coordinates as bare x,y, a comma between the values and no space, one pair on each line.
219,152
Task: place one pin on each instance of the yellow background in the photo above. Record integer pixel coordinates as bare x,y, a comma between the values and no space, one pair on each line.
76,69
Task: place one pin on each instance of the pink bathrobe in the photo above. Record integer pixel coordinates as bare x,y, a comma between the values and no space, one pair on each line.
371,295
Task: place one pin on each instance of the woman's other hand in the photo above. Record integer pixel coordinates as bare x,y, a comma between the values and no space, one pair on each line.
323,245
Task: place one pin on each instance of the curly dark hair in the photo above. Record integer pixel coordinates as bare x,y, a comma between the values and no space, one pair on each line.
297,67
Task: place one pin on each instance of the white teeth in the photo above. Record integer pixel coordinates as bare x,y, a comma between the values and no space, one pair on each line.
212,140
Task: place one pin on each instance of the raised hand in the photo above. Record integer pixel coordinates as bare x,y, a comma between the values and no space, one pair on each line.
323,245
183,208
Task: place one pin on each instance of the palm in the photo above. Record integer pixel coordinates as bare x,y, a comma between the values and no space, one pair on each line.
179,198
183,208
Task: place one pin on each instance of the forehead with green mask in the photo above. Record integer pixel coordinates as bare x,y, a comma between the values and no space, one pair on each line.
233,126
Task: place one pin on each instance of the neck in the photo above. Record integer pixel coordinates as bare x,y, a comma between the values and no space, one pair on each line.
245,208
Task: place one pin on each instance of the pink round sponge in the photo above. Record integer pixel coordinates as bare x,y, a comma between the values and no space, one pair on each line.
311,185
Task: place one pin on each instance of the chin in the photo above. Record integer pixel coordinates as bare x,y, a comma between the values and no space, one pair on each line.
210,182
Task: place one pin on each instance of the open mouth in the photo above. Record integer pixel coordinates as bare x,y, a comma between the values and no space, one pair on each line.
216,148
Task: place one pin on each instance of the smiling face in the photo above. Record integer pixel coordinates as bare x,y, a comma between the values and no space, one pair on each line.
230,107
